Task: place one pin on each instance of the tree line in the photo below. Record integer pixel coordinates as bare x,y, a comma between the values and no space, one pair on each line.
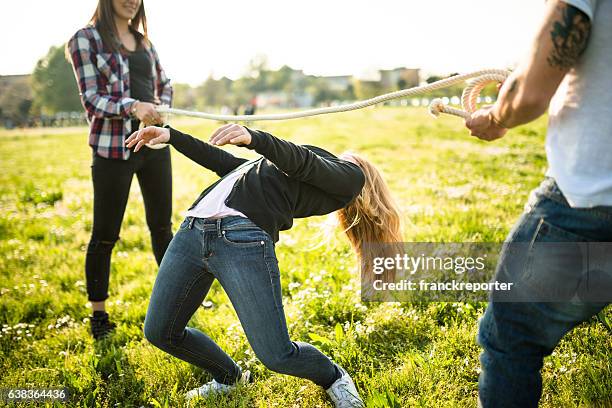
51,90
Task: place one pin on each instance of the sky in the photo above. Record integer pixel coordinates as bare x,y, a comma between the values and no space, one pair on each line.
196,38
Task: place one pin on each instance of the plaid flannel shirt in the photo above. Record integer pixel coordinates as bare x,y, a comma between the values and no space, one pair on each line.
104,84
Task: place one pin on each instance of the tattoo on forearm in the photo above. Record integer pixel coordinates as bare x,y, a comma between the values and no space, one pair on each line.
570,36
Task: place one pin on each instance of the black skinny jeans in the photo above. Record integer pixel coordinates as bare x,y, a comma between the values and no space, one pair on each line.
111,181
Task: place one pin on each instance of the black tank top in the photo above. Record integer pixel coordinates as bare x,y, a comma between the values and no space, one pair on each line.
141,79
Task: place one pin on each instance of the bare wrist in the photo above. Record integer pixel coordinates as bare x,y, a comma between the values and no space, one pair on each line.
134,107
497,122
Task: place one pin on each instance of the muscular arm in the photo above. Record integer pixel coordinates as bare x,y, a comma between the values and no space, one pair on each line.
560,41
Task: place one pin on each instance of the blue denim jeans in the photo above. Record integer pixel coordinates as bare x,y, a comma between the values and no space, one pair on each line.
516,336
241,256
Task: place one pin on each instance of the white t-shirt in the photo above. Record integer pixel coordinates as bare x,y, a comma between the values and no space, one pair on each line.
213,203
579,139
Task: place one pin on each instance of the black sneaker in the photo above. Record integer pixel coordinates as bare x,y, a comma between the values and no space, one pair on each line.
100,325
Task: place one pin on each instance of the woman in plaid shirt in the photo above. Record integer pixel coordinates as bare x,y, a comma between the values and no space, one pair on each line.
120,81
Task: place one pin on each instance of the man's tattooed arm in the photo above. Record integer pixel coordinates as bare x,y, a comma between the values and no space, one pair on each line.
570,36
561,38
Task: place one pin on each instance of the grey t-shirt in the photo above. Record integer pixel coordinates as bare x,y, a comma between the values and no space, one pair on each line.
579,139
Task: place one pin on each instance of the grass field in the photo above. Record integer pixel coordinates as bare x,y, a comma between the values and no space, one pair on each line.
450,188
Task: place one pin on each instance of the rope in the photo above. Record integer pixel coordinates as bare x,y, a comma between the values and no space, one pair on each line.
477,81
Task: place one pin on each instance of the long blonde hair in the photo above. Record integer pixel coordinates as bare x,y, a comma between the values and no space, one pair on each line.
372,221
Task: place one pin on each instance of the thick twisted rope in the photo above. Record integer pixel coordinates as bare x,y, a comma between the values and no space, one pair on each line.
477,81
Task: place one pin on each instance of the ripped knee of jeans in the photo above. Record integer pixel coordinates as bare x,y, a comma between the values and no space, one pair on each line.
101,245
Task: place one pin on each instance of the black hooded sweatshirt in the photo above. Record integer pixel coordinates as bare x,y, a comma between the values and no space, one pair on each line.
289,181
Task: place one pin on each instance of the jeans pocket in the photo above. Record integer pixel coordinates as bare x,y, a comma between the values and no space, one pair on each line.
556,263
543,191
244,238
185,224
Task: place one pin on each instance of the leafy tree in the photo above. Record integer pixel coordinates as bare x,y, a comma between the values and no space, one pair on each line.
257,72
241,91
53,84
451,91
184,96
214,92
456,90
281,80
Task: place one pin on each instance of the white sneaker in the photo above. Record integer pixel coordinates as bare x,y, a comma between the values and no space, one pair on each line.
216,387
344,394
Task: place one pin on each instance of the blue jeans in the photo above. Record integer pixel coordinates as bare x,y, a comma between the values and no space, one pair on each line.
241,256
516,336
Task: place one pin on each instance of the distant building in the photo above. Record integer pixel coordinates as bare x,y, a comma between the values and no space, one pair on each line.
397,78
281,99
15,100
297,75
298,91
7,80
338,83
272,99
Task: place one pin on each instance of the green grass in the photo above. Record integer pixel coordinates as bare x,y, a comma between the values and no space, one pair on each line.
450,187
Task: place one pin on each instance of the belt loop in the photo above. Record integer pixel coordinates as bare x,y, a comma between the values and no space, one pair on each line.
191,221
219,227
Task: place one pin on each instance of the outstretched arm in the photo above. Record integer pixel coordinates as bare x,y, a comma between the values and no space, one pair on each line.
560,41
333,175
206,155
